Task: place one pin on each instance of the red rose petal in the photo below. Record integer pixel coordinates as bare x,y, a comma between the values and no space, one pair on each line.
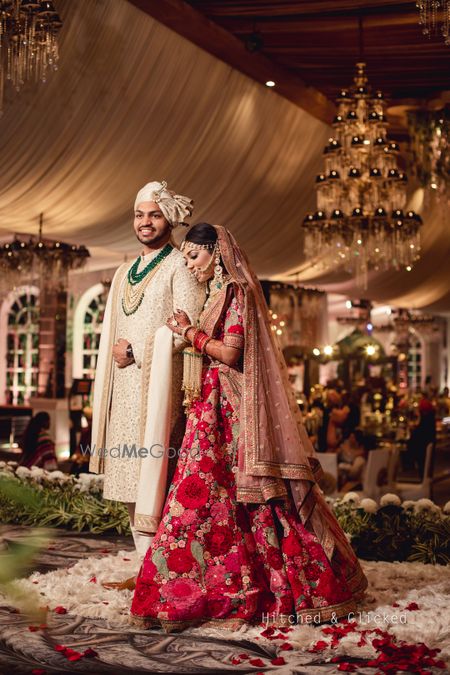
319,646
244,656
38,671
59,648
279,661
347,667
60,610
90,653
268,631
33,629
412,607
257,662
286,646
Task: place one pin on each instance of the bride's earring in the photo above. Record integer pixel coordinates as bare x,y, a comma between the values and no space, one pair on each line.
218,270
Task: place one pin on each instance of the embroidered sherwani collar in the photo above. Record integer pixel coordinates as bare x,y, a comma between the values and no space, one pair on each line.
148,257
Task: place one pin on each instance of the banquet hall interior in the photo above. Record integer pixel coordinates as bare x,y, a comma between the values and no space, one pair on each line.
318,133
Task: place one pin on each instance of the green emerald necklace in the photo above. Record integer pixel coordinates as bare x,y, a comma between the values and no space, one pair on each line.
137,281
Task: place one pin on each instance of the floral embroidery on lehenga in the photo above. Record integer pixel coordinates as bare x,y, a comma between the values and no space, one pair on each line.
216,559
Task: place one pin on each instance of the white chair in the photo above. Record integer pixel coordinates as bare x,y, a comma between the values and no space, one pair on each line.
328,462
375,474
417,490
391,471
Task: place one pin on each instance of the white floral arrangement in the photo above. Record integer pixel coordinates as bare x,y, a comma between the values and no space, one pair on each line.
85,482
351,497
368,505
416,531
390,499
58,499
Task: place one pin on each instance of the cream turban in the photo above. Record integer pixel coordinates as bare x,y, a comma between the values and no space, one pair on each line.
174,207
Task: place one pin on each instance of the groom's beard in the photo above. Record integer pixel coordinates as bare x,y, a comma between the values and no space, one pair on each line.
154,241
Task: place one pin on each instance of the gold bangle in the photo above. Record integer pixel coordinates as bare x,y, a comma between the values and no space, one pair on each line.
185,330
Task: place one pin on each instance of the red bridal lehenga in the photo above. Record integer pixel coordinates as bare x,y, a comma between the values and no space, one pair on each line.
232,549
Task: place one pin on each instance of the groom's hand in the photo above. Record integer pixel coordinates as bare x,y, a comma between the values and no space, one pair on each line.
119,352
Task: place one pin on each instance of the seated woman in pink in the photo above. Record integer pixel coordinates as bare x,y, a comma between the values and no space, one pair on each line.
245,533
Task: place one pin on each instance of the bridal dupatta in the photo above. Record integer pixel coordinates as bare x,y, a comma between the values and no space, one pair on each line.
273,447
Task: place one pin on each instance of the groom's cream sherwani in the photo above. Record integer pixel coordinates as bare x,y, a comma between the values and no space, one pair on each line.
120,410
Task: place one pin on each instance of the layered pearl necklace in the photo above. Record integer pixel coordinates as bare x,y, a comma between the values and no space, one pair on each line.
137,282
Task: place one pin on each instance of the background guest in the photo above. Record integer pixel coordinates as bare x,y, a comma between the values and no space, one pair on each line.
421,435
352,461
334,417
37,445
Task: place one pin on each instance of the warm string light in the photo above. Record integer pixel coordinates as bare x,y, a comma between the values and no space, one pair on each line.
28,42
332,352
361,222
277,323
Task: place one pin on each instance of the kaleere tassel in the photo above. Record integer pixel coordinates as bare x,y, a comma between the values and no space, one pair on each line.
192,375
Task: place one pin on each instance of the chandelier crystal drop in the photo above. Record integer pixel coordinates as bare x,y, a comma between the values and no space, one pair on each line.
28,42
361,221
431,14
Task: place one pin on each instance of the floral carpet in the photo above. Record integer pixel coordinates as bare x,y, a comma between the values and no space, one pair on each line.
78,626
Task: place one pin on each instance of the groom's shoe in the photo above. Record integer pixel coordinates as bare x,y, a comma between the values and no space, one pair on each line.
126,585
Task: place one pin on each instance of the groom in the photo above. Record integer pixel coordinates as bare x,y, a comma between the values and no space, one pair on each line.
141,298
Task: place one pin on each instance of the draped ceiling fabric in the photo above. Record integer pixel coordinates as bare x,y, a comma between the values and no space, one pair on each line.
132,101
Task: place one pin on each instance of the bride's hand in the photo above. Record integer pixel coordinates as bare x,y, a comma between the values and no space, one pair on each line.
178,321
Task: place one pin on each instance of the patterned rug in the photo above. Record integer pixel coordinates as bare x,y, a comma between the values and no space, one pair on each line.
82,627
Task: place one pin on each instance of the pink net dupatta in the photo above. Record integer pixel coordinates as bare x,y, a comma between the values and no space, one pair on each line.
274,439
273,443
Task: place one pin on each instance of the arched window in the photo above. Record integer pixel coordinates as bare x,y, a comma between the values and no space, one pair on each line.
415,362
19,321
87,328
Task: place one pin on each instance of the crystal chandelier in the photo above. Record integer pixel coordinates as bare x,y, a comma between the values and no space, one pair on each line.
28,42
430,143
39,260
360,221
430,12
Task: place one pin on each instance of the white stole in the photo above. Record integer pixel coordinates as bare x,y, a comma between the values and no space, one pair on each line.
153,472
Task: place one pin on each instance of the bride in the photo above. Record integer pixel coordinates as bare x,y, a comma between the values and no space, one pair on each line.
245,534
